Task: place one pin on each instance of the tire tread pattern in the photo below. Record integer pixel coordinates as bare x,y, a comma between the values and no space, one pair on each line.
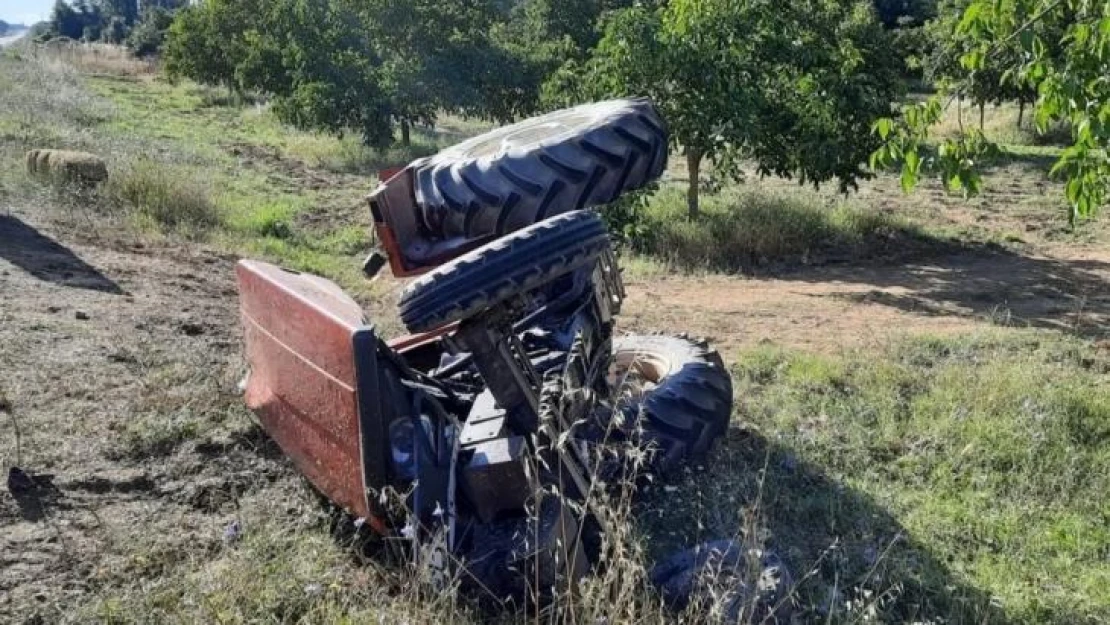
471,196
690,407
501,269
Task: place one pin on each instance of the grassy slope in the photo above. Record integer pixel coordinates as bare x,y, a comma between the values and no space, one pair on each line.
956,480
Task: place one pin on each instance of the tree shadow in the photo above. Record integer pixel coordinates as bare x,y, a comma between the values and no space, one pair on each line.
48,260
1040,161
848,555
1005,287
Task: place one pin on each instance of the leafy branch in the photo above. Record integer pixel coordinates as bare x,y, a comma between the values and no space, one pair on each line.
1066,59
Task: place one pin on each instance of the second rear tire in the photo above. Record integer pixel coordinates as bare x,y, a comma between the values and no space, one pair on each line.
680,391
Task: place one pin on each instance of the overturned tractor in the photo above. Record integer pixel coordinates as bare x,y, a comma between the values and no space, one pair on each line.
479,438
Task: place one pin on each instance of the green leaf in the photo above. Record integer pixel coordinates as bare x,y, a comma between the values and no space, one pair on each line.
973,60
1073,190
913,161
1038,48
883,126
908,179
970,18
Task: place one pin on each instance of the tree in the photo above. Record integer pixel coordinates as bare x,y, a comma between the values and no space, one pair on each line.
794,88
92,20
149,34
126,11
989,82
1063,54
67,21
197,44
366,65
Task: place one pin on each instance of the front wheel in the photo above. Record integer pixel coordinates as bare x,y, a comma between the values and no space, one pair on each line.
505,268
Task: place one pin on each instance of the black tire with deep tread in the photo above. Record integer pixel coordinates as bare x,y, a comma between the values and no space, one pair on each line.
502,269
691,404
520,174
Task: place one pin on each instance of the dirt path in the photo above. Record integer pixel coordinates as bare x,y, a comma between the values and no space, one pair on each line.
120,360
828,308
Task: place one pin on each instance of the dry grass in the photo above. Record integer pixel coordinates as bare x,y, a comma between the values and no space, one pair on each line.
91,58
166,196
999,124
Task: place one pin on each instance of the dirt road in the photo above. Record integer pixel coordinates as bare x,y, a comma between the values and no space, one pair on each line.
10,39
829,308
119,362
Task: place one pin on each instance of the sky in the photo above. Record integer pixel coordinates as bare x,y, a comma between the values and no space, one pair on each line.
25,11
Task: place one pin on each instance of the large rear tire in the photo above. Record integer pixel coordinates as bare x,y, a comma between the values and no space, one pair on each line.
521,174
680,389
503,269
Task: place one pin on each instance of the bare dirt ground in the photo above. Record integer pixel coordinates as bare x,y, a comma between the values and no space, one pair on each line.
96,336
828,308
102,337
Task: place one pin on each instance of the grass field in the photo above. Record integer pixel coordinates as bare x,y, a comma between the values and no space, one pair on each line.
922,425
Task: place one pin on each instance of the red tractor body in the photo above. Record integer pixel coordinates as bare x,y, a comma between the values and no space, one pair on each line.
312,387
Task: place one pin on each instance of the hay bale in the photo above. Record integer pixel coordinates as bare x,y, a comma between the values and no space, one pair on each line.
67,166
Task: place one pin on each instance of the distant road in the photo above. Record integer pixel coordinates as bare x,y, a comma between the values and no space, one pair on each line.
11,39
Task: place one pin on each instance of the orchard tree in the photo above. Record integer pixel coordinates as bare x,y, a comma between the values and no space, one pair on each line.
1064,56
991,80
793,87
77,20
200,43
149,34
432,53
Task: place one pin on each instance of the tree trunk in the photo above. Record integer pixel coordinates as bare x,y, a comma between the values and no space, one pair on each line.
693,164
406,139
982,112
1021,112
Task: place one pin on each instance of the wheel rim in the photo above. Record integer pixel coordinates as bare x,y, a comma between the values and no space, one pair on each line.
633,374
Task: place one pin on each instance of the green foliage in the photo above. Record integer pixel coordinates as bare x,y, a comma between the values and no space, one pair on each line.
1060,48
113,21
539,37
900,13
374,65
914,45
162,195
362,65
115,31
198,44
742,230
149,34
955,160
706,65
77,20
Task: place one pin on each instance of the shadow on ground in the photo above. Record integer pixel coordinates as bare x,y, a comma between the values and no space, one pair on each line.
848,555
1008,288
48,260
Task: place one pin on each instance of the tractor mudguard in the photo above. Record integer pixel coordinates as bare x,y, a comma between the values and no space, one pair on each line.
318,384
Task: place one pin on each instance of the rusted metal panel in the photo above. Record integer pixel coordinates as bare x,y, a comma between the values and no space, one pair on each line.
299,342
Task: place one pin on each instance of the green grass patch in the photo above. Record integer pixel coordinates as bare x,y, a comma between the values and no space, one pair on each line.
166,196
978,465
740,229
